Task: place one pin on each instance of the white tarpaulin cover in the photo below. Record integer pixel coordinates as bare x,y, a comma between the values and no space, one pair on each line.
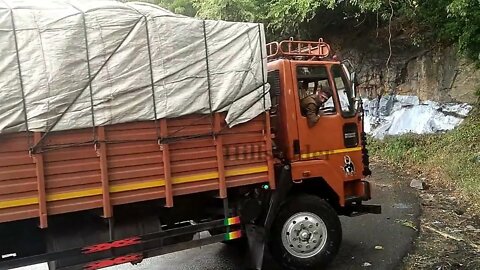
395,115
68,64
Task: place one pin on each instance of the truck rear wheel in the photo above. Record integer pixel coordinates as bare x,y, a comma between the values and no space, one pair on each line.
306,234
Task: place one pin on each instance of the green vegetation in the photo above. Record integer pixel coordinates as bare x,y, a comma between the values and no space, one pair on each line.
454,157
184,7
424,22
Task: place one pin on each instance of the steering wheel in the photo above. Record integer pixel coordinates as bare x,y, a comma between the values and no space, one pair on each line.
326,110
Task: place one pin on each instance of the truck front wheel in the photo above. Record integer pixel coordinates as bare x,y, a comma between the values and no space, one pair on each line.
306,233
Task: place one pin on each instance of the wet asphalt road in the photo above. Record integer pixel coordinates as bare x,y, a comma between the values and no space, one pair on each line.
391,232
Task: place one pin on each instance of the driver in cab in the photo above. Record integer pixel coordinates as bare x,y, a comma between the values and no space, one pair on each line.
311,104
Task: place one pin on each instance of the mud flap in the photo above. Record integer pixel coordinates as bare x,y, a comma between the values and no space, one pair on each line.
256,245
257,235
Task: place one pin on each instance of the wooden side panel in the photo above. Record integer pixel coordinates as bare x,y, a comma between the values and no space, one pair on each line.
128,163
194,169
18,179
72,172
245,153
135,162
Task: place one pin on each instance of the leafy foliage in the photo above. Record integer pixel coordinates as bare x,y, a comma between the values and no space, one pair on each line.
444,21
466,15
288,14
184,7
234,10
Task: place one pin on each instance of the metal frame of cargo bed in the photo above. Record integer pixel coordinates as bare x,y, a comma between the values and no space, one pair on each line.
135,249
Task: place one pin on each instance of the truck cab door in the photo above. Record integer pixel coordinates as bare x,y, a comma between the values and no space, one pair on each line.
327,136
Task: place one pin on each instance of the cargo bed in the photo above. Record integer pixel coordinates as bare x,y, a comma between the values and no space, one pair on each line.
111,165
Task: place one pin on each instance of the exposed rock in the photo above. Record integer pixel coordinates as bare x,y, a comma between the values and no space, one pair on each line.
471,228
418,184
435,74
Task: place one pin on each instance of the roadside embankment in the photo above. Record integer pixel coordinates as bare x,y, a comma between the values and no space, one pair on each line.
448,165
450,160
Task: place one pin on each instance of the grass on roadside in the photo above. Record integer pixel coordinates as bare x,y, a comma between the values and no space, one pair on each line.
454,156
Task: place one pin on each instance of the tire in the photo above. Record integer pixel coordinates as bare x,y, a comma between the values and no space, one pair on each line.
306,234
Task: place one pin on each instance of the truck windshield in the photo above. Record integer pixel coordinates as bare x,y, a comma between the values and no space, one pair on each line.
345,93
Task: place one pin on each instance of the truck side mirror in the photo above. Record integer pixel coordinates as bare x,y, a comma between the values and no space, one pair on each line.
353,81
350,74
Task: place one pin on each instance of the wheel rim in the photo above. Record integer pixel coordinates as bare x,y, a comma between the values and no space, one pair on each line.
304,235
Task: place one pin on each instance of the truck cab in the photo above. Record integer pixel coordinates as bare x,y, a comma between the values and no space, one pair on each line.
333,149
324,164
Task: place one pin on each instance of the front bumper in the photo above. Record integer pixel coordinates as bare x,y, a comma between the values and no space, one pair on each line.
354,205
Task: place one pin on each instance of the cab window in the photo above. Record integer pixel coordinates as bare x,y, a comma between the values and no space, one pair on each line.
310,80
345,93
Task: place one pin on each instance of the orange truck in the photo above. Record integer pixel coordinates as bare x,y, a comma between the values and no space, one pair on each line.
273,180
125,131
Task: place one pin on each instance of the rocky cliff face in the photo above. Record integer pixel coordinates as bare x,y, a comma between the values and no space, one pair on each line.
434,74
442,76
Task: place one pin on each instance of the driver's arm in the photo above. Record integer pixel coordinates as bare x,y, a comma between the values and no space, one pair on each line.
311,113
